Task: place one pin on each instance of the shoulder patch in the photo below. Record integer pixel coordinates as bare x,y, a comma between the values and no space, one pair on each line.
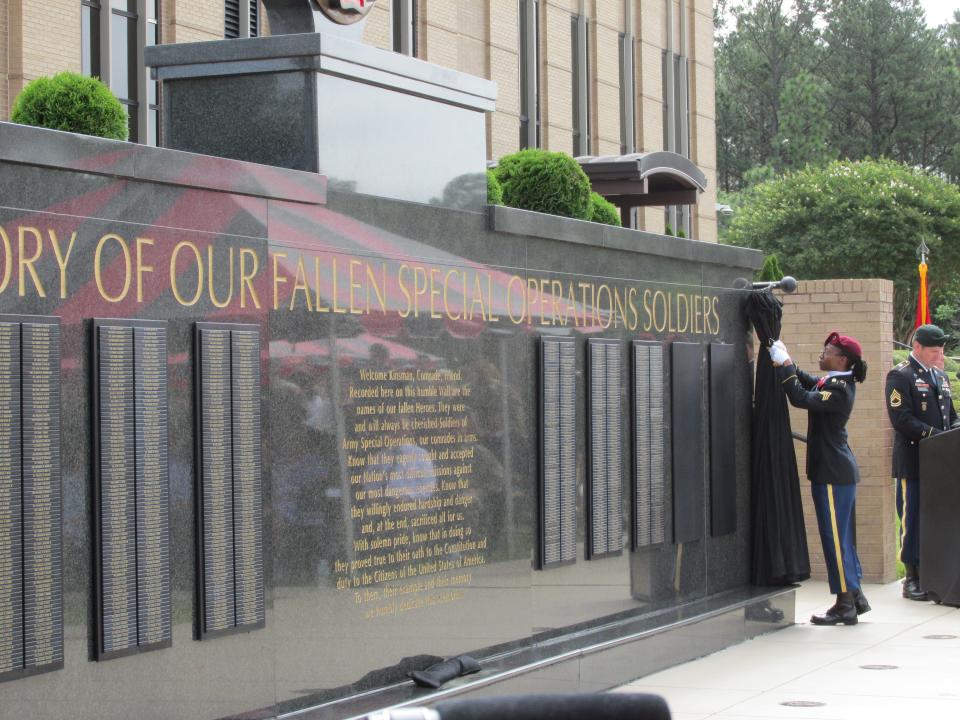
824,395
895,399
902,365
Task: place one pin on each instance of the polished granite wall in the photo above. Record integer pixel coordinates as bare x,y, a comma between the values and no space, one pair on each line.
223,221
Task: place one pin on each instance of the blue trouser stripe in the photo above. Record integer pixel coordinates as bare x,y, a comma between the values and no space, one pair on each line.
839,516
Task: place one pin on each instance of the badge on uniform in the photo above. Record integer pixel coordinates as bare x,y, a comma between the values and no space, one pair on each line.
824,395
923,406
895,399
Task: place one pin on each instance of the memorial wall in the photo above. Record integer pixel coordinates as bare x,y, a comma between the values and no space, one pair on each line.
263,449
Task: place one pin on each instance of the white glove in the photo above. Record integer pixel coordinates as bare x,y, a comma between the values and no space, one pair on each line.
778,353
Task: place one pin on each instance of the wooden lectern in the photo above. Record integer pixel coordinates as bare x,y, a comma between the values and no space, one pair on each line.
939,510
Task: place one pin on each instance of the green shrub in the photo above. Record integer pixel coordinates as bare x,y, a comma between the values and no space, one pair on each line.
771,269
668,229
603,211
681,233
494,191
71,102
547,182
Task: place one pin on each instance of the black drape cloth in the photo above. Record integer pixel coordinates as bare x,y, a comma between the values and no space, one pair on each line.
779,553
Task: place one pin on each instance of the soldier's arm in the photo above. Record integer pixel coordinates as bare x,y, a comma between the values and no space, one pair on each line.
900,409
807,381
832,398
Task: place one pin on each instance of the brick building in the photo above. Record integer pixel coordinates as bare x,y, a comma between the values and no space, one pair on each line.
586,77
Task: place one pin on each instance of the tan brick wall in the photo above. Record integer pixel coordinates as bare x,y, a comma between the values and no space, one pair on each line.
503,126
42,38
864,309
196,20
378,30
5,100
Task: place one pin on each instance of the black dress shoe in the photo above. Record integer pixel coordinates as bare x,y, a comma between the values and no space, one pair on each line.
912,590
843,612
860,602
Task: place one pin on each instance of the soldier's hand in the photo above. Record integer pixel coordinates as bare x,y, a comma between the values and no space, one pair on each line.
779,354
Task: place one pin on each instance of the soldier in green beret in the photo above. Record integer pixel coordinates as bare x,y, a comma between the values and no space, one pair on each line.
919,403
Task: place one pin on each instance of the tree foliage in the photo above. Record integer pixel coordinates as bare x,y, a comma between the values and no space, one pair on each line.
71,102
859,220
806,81
770,271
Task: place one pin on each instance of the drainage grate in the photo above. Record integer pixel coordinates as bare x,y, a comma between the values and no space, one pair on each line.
939,637
803,703
879,667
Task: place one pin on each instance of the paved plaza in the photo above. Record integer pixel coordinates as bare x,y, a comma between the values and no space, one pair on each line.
900,661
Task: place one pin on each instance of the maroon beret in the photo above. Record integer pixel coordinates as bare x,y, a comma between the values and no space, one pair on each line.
848,344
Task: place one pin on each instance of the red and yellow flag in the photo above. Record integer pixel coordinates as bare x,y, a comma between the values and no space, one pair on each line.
923,304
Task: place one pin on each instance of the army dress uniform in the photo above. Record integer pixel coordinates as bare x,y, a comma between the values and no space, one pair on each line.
920,404
831,467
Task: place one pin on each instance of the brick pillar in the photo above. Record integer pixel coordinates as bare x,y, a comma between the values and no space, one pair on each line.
863,309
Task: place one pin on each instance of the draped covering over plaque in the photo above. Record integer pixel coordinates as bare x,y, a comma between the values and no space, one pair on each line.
132,488
779,550
31,572
604,503
230,547
648,443
558,451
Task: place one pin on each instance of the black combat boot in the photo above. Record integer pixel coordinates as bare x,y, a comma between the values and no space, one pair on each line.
860,602
844,612
911,584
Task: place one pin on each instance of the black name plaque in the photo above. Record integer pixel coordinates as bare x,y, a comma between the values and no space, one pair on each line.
604,449
31,558
230,491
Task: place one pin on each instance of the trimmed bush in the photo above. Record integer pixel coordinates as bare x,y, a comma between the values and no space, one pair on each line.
604,211
494,191
71,102
547,182
771,269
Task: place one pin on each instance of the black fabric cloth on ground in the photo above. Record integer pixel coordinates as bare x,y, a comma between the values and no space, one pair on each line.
779,553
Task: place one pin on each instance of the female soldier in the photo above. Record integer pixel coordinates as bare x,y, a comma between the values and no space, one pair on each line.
831,466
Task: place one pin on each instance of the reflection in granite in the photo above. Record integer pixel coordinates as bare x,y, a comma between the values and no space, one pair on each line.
340,287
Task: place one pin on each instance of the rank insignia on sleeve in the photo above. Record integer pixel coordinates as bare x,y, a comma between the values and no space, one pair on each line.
824,395
895,399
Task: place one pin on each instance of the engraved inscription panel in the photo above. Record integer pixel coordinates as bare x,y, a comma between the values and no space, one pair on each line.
648,444
117,489
216,427
152,486
43,565
247,491
559,451
11,558
606,481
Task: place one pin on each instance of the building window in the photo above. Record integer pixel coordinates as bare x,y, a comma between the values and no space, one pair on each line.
628,91
579,43
241,19
111,46
529,73
403,17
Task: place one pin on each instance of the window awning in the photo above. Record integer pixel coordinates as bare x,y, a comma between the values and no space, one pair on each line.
645,179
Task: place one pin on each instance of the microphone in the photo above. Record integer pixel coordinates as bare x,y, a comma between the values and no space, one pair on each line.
787,283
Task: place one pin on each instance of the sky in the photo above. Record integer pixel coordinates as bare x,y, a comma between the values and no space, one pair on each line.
939,11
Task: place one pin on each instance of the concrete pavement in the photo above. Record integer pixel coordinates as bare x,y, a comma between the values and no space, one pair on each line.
901,661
